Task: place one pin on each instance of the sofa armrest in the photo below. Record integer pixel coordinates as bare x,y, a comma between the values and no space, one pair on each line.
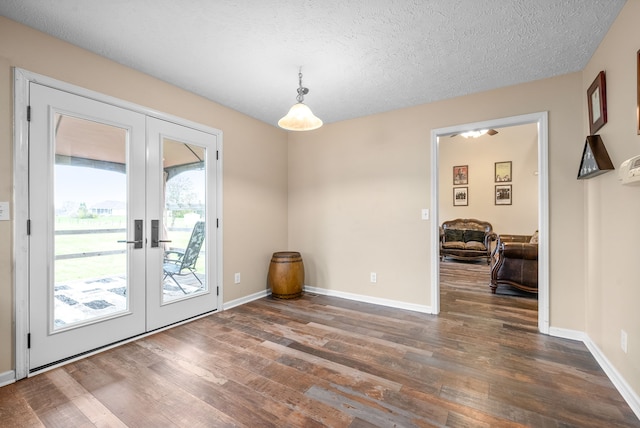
518,250
514,238
489,238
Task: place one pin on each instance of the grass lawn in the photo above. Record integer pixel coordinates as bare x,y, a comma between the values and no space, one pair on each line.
100,266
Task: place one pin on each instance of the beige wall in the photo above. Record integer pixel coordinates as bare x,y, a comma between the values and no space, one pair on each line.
612,229
518,144
356,189
255,158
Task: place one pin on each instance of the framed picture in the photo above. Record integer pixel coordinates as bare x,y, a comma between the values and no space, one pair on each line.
597,100
502,172
460,196
503,194
460,175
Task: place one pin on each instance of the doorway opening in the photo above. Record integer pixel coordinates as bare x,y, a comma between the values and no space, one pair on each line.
438,137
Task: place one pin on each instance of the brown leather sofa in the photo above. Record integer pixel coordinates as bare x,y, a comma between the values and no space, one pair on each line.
516,263
466,239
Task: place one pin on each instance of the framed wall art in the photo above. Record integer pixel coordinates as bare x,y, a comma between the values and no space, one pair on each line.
502,172
597,101
460,196
503,194
460,175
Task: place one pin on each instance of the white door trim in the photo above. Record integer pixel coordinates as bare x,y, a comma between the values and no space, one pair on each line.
21,80
20,218
541,119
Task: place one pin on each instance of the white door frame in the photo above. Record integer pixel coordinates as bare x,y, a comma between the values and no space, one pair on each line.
541,120
21,80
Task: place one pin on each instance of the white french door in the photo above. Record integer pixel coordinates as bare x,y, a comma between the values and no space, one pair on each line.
181,177
122,224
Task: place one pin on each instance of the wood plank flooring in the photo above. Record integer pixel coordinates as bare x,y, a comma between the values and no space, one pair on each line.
323,361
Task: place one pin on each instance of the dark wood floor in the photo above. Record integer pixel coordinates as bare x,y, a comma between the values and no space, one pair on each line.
321,361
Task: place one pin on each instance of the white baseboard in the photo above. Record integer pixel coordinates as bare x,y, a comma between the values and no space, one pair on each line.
629,395
368,299
7,377
565,333
245,299
350,296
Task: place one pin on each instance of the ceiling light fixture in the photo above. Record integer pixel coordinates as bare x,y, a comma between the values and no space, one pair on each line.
300,117
474,134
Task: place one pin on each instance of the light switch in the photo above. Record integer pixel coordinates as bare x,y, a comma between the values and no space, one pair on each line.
4,211
425,213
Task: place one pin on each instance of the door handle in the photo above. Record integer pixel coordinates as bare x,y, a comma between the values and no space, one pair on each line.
155,233
137,235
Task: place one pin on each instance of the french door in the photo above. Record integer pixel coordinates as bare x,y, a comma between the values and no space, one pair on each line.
122,224
181,209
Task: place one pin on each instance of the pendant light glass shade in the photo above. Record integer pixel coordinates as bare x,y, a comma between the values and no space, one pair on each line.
300,117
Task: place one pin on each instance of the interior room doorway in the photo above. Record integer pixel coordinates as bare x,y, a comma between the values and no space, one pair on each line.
438,137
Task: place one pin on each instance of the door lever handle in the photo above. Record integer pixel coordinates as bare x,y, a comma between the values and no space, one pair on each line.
137,235
155,234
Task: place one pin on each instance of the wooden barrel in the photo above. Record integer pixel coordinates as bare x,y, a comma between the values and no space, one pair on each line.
286,275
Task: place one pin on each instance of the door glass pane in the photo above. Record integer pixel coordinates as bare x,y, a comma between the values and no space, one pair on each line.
184,176
90,199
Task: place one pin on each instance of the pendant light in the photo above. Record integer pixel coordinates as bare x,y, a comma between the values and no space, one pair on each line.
300,117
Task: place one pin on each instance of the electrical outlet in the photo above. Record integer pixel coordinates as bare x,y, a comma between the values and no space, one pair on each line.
236,278
374,277
623,340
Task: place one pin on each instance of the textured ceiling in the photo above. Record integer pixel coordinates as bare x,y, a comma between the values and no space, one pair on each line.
358,57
